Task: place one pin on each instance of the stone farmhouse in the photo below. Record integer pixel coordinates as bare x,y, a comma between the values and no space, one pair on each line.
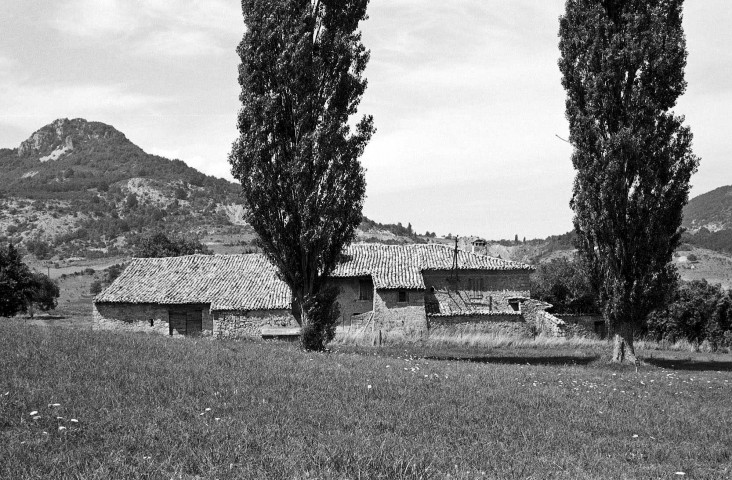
408,291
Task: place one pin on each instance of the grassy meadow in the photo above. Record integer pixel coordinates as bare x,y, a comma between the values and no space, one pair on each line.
83,404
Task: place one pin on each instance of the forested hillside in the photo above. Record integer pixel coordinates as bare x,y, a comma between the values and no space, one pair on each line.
78,188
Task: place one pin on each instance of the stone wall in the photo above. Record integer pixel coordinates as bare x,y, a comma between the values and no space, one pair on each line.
349,303
400,319
497,287
544,323
143,317
504,324
589,326
249,324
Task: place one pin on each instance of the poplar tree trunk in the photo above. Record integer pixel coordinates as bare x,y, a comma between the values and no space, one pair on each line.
623,348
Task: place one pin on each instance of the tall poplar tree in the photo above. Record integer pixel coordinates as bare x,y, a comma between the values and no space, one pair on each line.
297,156
622,65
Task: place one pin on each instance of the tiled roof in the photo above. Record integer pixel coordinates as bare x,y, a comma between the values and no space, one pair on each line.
249,282
227,282
401,266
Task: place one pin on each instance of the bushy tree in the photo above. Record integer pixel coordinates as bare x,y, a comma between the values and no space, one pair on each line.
160,245
22,290
297,157
565,284
40,293
14,278
622,65
697,312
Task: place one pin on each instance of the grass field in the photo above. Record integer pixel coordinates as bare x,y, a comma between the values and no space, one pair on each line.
111,405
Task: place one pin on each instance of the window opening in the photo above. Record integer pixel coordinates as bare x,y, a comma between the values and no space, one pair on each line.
365,290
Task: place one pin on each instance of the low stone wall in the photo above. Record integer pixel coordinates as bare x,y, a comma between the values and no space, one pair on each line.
588,326
143,317
544,323
503,324
249,324
131,317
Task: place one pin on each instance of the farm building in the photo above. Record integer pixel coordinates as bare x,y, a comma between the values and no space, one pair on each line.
403,290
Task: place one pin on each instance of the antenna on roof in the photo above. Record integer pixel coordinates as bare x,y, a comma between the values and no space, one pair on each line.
455,261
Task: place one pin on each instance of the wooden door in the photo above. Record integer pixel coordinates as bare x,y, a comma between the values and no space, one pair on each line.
186,322
194,323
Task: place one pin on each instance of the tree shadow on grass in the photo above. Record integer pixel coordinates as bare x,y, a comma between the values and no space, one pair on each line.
523,360
689,364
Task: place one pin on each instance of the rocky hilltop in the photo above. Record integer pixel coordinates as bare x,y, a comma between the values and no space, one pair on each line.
83,189
80,188
63,133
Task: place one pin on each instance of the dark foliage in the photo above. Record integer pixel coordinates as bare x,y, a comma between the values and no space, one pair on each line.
566,285
160,245
14,279
41,292
296,156
21,289
622,65
698,312
719,241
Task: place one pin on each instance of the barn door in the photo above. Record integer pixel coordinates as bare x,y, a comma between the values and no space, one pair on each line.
186,322
178,323
194,323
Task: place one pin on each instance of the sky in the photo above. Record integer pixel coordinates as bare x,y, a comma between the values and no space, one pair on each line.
466,97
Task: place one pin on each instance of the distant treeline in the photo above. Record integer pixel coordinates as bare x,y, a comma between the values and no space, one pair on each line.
720,241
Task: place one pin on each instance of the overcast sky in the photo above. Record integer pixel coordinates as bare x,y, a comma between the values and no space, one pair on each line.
466,97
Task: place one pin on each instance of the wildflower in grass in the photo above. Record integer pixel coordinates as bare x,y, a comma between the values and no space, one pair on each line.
51,405
61,428
59,418
34,412
37,417
207,410
74,420
368,387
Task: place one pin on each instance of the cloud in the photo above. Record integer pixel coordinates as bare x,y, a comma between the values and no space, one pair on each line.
178,43
155,27
32,106
93,18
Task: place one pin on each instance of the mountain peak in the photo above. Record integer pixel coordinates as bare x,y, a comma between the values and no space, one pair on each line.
63,134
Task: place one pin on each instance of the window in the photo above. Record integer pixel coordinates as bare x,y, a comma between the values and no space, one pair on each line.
365,290
402,296
515,305
475,289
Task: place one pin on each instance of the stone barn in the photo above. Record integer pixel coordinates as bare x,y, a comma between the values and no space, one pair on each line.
403,290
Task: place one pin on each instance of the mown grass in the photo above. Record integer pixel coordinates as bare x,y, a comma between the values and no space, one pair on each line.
141,408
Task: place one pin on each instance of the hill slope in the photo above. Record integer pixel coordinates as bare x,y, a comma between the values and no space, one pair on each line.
79,188
76,188
711,210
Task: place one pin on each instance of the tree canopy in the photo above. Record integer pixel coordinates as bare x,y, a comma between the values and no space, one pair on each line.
160,245
20,288
565,284
622,65
297,155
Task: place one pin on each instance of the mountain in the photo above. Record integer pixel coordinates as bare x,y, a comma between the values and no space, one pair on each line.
708,220
79,188
76,188
711,210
